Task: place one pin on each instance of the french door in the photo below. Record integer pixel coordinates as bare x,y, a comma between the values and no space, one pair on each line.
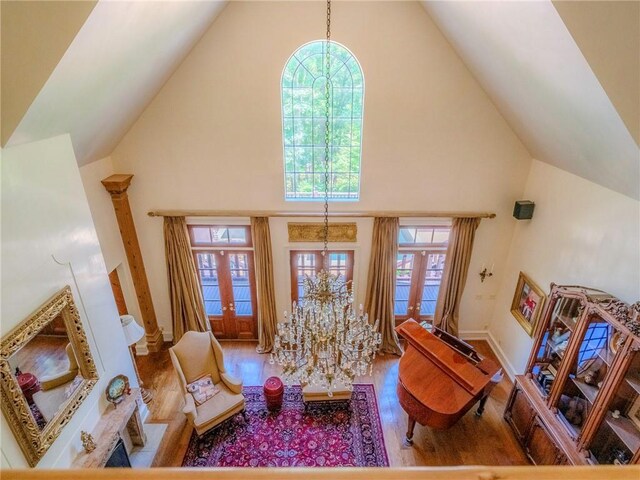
418,277
308,263
227,278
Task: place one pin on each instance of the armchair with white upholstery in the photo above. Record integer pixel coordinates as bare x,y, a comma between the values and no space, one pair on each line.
196,355
55,389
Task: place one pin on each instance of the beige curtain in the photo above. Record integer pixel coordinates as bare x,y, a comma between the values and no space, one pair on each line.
267,319
454,276
187,304
381,284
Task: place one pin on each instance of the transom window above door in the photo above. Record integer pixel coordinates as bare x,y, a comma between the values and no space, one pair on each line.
304,123
310,262
220,235
423,236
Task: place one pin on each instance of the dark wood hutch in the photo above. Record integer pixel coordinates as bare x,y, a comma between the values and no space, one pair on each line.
579,401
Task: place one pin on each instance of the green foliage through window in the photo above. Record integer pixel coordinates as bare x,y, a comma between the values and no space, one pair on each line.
303,122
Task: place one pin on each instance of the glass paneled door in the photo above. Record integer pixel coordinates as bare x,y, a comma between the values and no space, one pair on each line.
308,263
418,277
228,287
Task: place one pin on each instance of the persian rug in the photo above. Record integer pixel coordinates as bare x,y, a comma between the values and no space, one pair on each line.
327,434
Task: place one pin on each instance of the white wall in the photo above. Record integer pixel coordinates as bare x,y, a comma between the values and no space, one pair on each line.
104,219
45,214
580,234
211,139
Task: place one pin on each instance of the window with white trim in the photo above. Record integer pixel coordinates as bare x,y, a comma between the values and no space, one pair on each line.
304,123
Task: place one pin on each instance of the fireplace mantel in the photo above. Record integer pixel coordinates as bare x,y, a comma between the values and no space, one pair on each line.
118,421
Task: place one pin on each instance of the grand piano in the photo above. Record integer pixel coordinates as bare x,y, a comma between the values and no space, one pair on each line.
441,377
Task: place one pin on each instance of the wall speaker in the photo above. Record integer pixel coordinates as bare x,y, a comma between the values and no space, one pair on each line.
523,210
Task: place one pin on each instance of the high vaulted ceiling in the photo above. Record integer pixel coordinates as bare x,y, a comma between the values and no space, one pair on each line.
527,61
565,75
34,36
119,59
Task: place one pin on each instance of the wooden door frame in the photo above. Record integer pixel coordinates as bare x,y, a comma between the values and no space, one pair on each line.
225,285
252,290
293,266
226,296
413,288
221,319
423,280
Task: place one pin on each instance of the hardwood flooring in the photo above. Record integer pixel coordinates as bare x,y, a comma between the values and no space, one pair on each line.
472,441
43,356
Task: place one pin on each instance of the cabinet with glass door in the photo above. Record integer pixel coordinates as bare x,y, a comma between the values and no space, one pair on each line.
582,382
615,436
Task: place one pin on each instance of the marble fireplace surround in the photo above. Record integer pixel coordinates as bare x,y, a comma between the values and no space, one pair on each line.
118,421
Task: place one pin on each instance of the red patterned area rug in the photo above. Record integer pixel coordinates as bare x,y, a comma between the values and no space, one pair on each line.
328,434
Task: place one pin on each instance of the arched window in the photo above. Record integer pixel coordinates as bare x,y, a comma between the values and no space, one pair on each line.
303,122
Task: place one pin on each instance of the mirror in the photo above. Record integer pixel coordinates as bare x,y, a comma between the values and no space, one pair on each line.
47,371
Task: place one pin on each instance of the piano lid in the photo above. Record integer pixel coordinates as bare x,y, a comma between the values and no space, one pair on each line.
472,376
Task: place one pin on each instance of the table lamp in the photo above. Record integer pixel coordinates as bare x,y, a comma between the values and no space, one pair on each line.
133,333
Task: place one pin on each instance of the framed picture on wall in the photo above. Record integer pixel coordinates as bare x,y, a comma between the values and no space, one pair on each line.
528,302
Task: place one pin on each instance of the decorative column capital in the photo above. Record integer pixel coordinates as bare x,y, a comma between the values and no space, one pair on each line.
117,184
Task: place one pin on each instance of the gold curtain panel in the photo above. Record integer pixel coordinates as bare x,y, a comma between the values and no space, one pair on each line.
314,232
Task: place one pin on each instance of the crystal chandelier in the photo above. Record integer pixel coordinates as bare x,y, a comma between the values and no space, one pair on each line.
324,342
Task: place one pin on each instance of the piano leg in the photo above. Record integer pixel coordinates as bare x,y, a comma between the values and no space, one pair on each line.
483,402
408,441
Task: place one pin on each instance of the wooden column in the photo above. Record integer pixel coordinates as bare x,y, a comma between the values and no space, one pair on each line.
117,186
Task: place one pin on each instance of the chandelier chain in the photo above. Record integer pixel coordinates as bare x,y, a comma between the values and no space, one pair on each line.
325,343
327,135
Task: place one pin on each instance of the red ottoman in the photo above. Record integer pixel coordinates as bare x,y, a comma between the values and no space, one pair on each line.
29,385
273,393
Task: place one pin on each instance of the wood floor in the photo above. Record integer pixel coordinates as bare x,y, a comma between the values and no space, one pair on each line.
43,356
472,441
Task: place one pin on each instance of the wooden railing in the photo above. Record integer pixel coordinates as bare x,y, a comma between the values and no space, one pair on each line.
418,473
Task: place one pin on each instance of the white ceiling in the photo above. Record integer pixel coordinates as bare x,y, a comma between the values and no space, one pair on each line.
116,64
527,61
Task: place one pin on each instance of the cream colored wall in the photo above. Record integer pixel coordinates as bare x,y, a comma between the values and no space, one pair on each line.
581,233
211,139
104,219
46,220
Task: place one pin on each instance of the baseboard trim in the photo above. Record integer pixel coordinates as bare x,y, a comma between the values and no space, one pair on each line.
495,346
141,349
474,335
167,336
144,412
504,360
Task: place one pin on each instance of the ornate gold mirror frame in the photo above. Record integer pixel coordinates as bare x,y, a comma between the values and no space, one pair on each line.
33,441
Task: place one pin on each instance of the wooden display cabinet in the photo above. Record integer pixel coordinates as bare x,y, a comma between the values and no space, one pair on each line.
579,401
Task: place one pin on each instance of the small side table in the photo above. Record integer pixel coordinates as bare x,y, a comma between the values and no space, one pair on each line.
273,393
29,385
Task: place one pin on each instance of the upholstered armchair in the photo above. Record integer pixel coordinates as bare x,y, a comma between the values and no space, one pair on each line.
196,355
52,381
55,389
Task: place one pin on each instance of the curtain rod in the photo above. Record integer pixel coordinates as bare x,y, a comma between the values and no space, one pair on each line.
280,213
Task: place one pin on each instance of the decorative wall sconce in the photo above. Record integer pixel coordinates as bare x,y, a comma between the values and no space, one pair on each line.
484,273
